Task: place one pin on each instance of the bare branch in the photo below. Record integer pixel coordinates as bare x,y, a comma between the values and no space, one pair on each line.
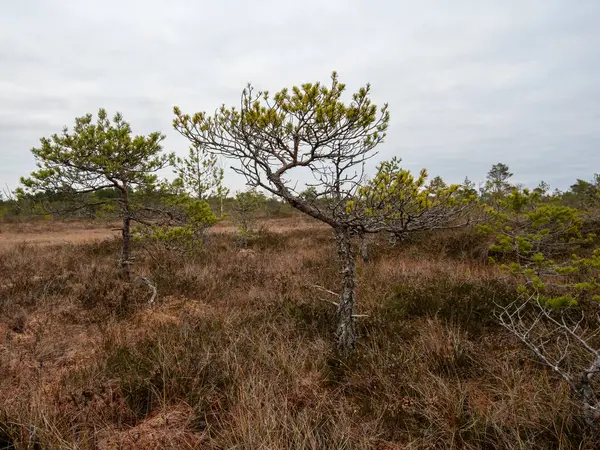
335,294
152,289
553,346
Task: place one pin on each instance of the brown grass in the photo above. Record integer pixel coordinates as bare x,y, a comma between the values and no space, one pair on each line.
52,232
236,352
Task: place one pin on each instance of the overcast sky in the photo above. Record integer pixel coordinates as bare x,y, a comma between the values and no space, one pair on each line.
469,82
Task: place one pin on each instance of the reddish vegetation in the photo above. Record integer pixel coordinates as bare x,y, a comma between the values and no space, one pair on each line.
236,351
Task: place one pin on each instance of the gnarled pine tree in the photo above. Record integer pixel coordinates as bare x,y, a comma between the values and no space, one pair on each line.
308,128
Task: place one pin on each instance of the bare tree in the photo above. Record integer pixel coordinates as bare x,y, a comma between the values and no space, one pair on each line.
311,130
562,343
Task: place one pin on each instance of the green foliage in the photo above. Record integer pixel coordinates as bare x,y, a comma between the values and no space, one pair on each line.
310,194
10,208
542,189
188,219
438,183
543,245
199,174
527,227
96,167
284,114
497,184
396,199
308,126
96,156
247,206
584,194
467,191
274,207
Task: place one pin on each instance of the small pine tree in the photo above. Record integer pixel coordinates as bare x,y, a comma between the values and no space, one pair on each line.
186,219
497,184
95,156
200,175
310,127
246,208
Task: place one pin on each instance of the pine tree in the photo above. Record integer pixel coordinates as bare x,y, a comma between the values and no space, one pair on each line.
310,127
96,156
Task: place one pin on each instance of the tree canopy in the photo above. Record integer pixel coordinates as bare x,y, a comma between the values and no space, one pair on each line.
95,156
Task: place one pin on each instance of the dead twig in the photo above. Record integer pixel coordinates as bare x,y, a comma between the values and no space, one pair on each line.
329,301
321,288
152,289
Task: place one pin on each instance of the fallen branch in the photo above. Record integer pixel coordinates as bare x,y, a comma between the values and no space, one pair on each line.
152,289
329,301
554,341
321,288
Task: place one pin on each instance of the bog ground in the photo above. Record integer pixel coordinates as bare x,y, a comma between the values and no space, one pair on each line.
236,351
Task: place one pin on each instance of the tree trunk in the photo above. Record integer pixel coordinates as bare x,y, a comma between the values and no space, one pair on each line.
589,400
125,252
125,261
346,334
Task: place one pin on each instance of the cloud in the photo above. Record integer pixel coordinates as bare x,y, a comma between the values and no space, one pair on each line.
469,83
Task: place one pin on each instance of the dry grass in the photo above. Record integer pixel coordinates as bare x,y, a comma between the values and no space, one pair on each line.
52,232
236,352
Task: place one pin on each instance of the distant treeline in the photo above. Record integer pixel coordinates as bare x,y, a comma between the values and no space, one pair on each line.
47,205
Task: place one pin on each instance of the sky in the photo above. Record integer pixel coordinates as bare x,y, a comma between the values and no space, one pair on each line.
468,83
